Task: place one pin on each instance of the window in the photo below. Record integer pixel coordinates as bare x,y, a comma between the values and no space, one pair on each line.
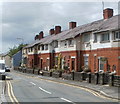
42,47
117,35
71,42
31,49
55,44
105,37
95,37
46,47
39,47
65,43
85,60
86,37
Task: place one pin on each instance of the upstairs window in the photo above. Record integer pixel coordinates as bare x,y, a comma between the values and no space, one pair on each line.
65,43
95,37
71,42
31,49
39,47
55,44
46,47
105,37
42,47
117,35
86,37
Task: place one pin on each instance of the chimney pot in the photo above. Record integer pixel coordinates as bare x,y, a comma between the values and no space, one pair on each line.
107,13
72,25
41,35
51,31
57,29
36,37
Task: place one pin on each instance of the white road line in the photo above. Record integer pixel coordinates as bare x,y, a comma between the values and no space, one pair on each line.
45,90
33,83
66,100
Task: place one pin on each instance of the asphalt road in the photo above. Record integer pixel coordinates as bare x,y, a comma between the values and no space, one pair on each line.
28,88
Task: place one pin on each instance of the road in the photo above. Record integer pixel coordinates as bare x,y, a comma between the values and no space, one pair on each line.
31,88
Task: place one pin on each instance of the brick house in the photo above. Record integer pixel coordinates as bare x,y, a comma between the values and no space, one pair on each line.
96,45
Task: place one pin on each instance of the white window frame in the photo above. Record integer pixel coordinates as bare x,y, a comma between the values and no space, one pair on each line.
86,59
86,38
103,37
95,37
100,62
118,38
70,42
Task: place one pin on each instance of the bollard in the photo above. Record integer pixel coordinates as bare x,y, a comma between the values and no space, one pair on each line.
89,77
96,78
111,80
102,78
2,76
72,75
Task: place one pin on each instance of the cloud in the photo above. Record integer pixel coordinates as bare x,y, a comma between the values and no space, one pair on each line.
25,19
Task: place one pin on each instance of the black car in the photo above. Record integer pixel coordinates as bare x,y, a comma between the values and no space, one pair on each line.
7,69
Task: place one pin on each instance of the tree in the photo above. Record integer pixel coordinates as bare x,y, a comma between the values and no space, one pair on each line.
15,49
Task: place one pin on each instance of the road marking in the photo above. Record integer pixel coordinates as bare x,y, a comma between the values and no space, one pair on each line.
11,94
66,100
88,90
45,90
33,83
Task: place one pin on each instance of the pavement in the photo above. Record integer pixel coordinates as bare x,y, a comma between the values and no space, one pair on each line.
2,91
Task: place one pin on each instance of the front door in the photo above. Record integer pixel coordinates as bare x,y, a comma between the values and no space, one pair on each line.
73,64
41,62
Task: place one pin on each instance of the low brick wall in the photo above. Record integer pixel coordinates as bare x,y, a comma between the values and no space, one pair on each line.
95,78
30,71
103,78
36,72
80,76
47,73
24,70
57,74
67,76
116,81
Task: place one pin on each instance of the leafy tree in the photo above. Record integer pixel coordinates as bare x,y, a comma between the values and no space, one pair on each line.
15,49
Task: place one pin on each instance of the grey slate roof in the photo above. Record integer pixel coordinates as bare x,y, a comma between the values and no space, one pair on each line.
96,26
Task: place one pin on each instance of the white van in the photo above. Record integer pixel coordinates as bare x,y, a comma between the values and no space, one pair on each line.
2,66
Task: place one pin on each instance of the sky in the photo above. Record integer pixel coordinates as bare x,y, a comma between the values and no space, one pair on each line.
21,21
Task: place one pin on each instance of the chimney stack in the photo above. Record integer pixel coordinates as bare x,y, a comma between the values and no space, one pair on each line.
36,37
41,35
72,25
57,29
107,13
51,31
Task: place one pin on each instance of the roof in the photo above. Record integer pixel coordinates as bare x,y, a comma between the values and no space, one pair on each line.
96,26
4,54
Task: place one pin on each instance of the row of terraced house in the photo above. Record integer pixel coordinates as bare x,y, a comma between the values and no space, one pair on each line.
96,45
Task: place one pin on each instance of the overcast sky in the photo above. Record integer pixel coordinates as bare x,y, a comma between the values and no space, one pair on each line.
26,19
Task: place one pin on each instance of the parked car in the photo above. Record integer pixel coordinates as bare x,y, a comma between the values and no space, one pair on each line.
7,69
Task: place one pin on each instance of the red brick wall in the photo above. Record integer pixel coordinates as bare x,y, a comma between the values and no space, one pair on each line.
110,53
44,60
68,59
32,61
